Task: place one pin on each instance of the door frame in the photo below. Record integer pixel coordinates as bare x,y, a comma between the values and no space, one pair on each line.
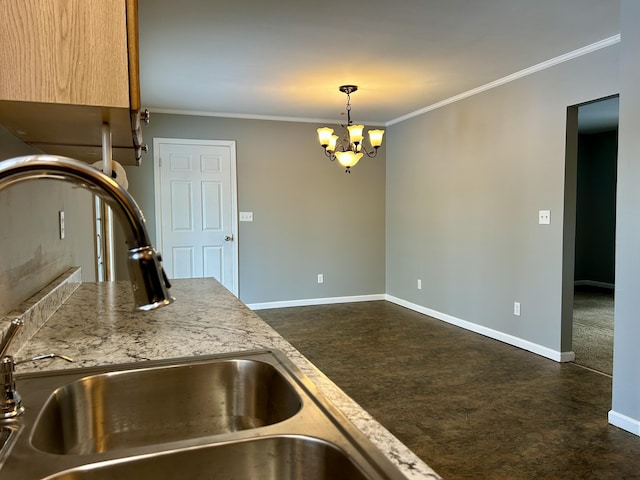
157,141
569,228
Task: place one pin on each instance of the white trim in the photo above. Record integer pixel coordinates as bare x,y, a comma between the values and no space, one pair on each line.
629,424
157,141
316,301
510,78
249,116
487,332
473,327
567,357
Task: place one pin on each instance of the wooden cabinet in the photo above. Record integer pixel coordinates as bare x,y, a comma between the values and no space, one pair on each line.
67,67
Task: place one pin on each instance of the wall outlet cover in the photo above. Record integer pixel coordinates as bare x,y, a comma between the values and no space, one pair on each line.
544,217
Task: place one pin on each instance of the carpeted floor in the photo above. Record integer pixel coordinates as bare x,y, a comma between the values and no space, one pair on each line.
593,328
469,406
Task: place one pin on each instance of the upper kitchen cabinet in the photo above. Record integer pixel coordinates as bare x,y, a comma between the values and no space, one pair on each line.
67,68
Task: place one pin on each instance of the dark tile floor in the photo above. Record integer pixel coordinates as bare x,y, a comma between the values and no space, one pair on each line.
469,406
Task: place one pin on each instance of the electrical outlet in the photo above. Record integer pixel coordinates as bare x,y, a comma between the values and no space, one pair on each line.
544,217
516,308
419,284
61,223
320,278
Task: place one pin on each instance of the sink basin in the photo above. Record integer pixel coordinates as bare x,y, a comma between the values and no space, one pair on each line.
120,410
277,458
5,436
244,415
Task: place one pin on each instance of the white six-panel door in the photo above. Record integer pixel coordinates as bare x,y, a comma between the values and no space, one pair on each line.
196,209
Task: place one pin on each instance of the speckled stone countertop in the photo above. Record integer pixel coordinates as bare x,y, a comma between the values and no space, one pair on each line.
96,325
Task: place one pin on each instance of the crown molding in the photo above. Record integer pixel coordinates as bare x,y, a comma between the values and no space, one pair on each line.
607,42
200,113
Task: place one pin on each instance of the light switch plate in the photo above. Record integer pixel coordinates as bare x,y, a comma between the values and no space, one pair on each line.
246,216
61,224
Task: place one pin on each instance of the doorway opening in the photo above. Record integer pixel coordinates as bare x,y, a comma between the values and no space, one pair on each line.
592,169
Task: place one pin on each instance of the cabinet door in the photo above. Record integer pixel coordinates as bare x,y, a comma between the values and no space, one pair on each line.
64,51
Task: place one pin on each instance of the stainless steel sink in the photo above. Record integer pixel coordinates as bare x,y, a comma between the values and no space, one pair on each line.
243,416
119,410
281,458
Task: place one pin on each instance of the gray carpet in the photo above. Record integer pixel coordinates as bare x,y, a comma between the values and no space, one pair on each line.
593,328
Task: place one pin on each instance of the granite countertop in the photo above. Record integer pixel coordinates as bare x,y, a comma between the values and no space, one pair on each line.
96,325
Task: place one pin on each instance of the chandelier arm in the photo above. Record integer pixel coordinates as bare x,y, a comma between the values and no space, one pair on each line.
345,142
341,148
369,154
330,155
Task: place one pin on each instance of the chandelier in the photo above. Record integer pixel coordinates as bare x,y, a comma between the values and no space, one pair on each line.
351,148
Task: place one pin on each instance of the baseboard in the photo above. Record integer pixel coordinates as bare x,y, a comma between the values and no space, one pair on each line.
473,327
316,301
487,332
629,424
594,283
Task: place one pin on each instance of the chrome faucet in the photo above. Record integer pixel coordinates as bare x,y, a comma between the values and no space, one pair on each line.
148,280
11,402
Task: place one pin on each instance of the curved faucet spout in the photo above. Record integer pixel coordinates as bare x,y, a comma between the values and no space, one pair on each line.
148,280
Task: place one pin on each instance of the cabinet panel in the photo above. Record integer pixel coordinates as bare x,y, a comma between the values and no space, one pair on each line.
68,66
65,51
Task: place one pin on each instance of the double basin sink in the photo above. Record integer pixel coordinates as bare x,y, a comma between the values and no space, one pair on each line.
250,415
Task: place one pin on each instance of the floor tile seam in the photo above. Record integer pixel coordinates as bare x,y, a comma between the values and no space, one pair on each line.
590,369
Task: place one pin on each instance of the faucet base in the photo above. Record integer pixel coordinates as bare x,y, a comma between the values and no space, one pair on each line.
11,401
12,412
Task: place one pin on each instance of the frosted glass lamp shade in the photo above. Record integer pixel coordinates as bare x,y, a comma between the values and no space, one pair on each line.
332,143
349,158
355,133
324,136
375,137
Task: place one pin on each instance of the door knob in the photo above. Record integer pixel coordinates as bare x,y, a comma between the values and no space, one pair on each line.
228,238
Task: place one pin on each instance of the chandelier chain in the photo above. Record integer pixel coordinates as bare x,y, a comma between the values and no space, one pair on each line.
349,122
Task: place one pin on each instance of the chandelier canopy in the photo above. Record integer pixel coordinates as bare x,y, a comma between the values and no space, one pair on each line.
351,148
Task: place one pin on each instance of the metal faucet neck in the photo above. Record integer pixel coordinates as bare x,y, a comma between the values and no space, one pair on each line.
148,280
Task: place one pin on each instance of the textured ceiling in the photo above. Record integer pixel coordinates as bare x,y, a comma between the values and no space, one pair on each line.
286,58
